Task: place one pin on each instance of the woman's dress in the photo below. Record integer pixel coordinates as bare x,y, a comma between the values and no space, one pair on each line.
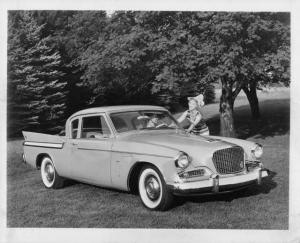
200,128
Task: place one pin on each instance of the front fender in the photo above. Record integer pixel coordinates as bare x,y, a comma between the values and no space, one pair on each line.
165,165
126,154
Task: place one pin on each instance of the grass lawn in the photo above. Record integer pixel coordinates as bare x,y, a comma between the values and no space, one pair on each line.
30,204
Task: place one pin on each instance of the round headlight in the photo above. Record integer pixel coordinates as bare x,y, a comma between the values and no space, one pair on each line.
182,160
257,151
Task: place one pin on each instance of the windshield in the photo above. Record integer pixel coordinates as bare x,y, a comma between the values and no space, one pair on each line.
142,120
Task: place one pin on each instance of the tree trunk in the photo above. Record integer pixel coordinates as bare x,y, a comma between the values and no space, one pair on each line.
226,112
253,100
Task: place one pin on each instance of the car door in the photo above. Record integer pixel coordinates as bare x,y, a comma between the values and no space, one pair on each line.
91,150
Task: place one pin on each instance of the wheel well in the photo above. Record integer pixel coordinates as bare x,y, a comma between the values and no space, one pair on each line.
39,160
133,178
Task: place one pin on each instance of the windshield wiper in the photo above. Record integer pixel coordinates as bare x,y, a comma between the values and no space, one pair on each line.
157,128
165,128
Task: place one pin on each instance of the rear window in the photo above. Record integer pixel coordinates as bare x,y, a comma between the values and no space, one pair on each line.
94,127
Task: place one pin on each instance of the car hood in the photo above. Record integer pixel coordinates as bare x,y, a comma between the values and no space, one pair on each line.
200,148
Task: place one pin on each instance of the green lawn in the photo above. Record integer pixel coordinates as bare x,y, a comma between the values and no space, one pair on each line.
30,204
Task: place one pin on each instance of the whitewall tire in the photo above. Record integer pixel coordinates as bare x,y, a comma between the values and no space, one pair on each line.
153,190
49,175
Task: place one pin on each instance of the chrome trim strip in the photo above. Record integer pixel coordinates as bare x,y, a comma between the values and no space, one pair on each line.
117,151
44,144
106,150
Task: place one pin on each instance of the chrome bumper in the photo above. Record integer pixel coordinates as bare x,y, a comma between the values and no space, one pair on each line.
217,184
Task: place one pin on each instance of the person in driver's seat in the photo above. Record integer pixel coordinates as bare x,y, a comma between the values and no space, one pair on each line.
154,121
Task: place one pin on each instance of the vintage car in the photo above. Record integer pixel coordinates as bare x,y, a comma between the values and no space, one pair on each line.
142,149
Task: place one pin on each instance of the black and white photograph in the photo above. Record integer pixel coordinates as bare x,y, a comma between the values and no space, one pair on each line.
150,120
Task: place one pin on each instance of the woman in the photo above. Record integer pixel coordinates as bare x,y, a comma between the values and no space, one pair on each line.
194,116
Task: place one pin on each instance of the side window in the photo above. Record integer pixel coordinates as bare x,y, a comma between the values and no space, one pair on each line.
94,127
74,128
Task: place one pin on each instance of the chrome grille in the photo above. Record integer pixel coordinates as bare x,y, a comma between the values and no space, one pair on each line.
229,160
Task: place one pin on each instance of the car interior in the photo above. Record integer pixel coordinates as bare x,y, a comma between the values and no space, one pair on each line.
94,127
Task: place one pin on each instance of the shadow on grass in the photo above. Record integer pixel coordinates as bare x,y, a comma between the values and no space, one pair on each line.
275,120
73,183
267,185
69,182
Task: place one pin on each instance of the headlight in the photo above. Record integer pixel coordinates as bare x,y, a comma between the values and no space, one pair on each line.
182,160
257,151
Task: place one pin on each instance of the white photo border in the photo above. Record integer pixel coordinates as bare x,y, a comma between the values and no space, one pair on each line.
159,235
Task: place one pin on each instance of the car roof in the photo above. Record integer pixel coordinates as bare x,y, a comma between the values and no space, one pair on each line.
119,108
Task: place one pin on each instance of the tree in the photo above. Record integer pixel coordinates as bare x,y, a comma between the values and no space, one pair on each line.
144,57
273,66
116,64
234,45
36,90
71,32
178,62
149,57
174,54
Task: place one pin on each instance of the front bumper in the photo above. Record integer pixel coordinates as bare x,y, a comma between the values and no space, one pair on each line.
217,184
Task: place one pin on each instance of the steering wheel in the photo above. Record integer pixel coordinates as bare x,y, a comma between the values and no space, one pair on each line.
162,125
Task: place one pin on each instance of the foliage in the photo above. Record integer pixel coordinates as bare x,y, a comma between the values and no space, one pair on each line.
71,38
115,66
138,57
178,63
234,45
36,94
144,55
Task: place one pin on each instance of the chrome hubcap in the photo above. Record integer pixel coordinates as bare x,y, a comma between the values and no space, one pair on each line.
49,171
152,188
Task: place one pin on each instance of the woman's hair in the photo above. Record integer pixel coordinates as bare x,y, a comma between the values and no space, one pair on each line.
197,104
199,99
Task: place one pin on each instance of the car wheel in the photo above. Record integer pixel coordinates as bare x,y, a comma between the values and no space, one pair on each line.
153,189
49,175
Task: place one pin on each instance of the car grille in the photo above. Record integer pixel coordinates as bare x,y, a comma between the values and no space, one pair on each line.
229,160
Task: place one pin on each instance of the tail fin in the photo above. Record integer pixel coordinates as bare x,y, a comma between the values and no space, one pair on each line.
42,137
